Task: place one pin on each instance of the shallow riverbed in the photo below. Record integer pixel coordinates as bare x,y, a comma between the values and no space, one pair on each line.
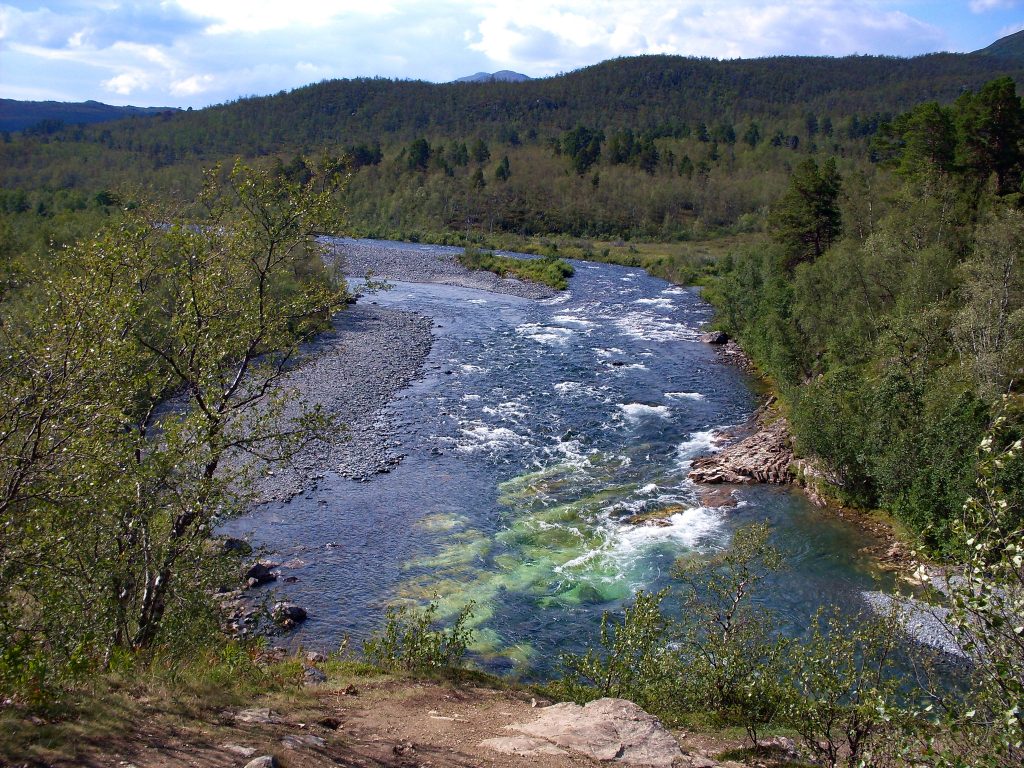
539,429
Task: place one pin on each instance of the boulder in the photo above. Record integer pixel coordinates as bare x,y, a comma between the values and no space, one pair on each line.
260,573
313,676
717,498
606,730
715,337
266,761
288,615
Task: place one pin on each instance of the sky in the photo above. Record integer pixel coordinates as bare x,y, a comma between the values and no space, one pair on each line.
193,53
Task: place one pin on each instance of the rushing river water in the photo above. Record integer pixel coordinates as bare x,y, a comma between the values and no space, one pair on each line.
538,430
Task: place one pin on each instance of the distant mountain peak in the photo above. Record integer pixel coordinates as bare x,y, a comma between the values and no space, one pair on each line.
502,76
1011,46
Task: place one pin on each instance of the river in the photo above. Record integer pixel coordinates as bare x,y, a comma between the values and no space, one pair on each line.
538,430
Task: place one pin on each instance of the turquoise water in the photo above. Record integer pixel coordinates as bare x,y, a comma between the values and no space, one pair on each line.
538,432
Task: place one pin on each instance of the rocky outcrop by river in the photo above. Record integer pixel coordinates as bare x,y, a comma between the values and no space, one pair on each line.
764,456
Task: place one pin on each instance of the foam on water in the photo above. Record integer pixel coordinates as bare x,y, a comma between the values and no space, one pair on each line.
684,395
479,437
545,334
561,298
638,411
467,368
644,326
689,529
657,302
574,320
511,409
699,442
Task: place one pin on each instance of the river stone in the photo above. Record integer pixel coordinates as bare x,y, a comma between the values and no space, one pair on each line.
258,574
288,615
607,730
715,337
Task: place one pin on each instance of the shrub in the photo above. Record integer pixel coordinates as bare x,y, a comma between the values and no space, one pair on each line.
411,641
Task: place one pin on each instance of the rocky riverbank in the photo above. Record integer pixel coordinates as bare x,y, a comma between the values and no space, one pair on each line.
352,372
422,264
764,456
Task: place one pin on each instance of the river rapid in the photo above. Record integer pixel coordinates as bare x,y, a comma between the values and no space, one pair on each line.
537,433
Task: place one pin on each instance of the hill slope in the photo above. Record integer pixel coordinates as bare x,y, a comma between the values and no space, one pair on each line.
19,115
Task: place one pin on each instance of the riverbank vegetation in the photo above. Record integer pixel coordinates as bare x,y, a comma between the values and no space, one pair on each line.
548,270
138,372
892,326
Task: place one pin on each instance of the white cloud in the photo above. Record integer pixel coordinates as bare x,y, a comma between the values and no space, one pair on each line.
253,16
981,6
565,34
127,83
193,85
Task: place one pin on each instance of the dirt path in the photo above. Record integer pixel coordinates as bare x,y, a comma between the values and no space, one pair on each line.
365,724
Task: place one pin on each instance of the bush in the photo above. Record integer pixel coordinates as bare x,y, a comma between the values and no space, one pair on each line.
634,661
410,641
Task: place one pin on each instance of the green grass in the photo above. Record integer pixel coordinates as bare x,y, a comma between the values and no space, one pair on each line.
548,270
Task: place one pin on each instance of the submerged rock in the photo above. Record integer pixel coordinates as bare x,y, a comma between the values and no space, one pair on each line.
260,573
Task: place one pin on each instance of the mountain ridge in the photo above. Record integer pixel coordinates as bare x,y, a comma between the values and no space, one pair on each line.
21,115
501,76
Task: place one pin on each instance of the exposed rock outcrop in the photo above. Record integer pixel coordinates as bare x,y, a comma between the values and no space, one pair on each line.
606,730
763,457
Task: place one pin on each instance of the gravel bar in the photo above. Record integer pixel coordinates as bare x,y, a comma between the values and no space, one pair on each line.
371,353
416,263
352,372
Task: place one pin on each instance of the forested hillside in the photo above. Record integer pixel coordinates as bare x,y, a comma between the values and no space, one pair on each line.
43,117
660,147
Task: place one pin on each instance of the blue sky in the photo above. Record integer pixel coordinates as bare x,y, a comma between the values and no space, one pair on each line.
200,52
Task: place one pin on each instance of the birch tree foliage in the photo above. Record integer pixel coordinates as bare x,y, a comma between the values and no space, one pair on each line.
149,356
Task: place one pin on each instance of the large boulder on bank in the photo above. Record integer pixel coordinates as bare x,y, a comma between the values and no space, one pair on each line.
260,573
763,457
715,337
607,730
288,615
